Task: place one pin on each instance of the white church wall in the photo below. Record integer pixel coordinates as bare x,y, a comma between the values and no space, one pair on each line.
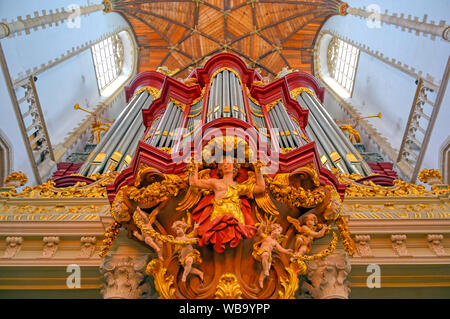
69,82
380,87
9,126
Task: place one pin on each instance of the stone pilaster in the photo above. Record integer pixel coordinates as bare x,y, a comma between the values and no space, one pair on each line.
124,277
328,277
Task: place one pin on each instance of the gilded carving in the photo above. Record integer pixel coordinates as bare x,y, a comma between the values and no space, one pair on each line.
163,282
228,287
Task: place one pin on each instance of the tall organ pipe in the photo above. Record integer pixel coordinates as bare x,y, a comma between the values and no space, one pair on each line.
131,147
226,93
323,139
336,135
126,140
162,136
122,131
115,132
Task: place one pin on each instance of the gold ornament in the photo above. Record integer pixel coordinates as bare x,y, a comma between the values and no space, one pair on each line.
163,282
228,287
110,235
347,241
16,179
154,92
430,175
290,284
80,189
296,92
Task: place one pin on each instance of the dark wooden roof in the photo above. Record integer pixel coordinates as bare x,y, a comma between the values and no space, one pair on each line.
267,34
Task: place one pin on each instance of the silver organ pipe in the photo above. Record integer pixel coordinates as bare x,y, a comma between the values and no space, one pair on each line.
107,146
193,123
162,132
334,135
225,97
152,129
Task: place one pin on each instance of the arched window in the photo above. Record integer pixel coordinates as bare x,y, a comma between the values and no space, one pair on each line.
108,59
342,63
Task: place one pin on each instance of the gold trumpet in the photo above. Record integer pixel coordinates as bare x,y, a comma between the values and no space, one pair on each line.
379,115
78,107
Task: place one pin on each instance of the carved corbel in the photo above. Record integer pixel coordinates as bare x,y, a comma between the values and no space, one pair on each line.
435,244
124,278
87,246
50,246
363,246
328,277
13,246
399,245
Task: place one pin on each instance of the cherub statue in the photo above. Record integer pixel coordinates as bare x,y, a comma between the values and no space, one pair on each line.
309,229
156,245
187,255
262,250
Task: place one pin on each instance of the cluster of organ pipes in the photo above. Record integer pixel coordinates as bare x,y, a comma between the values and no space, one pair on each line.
225,99
118,145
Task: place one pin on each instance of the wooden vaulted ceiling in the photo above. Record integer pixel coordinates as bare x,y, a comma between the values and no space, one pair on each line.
267,34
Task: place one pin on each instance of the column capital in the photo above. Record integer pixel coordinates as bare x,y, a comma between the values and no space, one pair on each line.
124,277
328,277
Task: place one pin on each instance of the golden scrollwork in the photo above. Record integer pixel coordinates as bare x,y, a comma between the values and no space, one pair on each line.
427,175
80,189
251,97
228,287
294,196
400,188
291,283
344,232
163,282
271,105
199,98
154,92
227,144
110,235
296,92
179,104
16,179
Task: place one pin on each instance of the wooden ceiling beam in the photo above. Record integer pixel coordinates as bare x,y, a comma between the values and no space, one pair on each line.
253,61
163,36
303,25
197,61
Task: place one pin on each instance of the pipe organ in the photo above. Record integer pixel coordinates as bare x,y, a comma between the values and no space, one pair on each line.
226,92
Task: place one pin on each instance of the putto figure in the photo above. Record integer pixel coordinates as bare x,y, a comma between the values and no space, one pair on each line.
156,245
262,250
308,229
224,217
187,255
